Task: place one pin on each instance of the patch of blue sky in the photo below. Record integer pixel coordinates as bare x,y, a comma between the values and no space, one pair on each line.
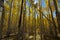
4,1
59,2
59,5
36,14
27,3
43,3
54,14
35,1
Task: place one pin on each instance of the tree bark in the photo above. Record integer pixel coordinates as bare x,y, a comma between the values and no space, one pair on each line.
54,24
9,21
57,14
2,18
19,25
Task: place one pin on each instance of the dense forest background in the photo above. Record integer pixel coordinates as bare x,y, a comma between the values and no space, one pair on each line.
29,19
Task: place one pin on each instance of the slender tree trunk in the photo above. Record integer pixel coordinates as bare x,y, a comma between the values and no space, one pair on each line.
57,14
24,23
41,20
35,23
55,30
8,32
2,18
19,25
